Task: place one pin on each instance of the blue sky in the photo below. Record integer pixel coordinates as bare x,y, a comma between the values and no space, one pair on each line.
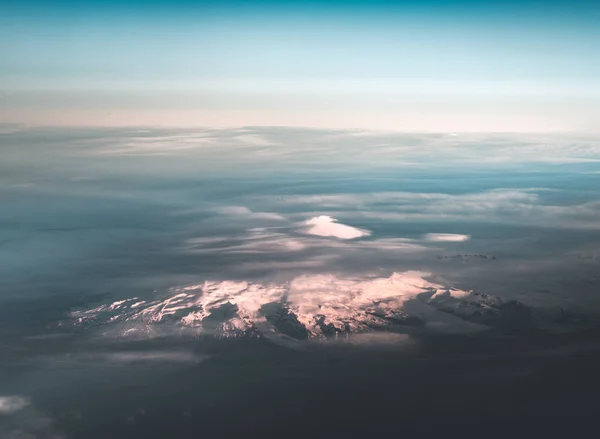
433,65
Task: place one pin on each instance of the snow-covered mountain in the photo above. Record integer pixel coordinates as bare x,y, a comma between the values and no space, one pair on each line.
484,309
316,306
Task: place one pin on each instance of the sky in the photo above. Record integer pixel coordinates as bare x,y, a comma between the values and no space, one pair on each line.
408,66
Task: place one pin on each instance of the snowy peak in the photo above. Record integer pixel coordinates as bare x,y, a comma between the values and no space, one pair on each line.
483,308
312,306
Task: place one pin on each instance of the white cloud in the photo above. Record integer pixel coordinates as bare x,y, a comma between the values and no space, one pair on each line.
509,206
408,200
234,210
26,422
327,226
283,252
243,211
446,237
142,356
252,140
272,147
568,160
207,240
380,339
255,241
12,404
313,262
157,145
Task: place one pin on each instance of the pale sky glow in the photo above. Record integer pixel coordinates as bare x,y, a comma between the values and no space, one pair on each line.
318,86
433,119
404,66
